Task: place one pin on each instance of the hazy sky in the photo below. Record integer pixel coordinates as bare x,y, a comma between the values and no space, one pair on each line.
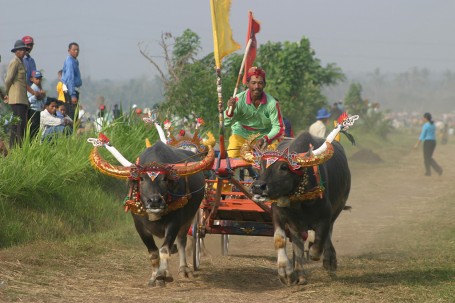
357,35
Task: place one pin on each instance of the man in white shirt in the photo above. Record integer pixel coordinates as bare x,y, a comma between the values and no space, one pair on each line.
318,128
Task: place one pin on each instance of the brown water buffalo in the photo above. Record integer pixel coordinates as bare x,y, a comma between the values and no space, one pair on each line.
309,189
164,196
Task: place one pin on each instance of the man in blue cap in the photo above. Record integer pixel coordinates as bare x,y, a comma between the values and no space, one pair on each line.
319,127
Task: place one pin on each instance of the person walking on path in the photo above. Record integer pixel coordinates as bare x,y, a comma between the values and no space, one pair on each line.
16,93
71,77
428,136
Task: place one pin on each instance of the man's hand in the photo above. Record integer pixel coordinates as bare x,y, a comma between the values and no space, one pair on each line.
232,101
74,99
231,105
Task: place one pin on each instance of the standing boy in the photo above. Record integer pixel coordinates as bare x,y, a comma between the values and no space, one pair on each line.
36,104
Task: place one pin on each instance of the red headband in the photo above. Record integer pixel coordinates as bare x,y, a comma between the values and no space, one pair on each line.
255,71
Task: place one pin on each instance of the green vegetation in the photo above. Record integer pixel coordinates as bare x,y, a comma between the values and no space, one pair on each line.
294,75
50,191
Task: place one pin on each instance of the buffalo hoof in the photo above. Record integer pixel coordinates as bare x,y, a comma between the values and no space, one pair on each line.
160,280
287,278
302,280
330,264
315,253
185,272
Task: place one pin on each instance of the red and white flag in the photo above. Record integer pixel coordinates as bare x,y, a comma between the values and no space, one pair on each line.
253,28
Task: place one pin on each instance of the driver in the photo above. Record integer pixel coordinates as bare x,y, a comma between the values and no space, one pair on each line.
253,111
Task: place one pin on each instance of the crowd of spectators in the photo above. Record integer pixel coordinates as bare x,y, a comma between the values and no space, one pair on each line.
31,104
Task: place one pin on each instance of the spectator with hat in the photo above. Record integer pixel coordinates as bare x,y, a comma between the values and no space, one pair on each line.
16,92
36,104
253,111
319,128
30,65
71,77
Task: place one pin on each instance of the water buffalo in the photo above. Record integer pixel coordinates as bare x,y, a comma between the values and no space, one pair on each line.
310,189
165,194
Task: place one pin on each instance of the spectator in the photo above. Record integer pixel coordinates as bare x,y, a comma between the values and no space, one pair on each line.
319,127
428,136
61,113
116,112
61,88
335,111
253,111
16,92
102,119
30,66
51,125
71,77
36,104
288,132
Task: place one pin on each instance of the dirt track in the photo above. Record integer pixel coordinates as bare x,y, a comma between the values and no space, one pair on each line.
386,197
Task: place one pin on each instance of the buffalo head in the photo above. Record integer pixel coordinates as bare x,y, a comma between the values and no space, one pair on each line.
283,174
152,183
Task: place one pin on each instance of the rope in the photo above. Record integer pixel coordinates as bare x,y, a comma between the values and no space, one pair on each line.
189,193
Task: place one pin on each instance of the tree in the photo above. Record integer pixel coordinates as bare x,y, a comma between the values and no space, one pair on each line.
295,76
190,83
354,101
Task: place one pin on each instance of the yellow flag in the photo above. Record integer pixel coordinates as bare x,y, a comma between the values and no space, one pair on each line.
223,42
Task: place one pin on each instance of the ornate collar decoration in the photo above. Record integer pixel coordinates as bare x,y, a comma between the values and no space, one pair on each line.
153,170
271,156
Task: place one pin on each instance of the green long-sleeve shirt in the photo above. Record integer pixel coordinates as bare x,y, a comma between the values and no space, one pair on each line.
248,120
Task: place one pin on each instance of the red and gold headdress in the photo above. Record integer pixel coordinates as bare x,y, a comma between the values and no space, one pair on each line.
255,71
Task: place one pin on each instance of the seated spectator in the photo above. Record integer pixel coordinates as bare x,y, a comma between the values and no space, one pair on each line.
52,125
61,113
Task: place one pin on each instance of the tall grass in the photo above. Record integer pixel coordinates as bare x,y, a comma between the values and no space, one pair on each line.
50,190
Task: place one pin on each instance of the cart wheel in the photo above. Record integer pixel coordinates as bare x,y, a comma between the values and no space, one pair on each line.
196,242
224,245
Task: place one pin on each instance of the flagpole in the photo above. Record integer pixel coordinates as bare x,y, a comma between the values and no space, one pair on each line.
247,50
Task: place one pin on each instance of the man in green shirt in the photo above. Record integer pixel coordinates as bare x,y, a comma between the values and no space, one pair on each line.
253,111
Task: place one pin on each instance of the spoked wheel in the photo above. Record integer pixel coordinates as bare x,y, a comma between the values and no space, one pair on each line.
196,242
224,245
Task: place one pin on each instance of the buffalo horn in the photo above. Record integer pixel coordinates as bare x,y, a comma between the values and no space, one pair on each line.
106,168
319,156
186,169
